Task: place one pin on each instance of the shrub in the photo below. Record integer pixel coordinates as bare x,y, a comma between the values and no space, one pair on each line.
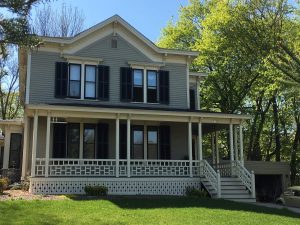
4,182
194,192
95,190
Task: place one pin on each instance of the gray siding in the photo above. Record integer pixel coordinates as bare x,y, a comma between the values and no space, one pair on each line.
43,74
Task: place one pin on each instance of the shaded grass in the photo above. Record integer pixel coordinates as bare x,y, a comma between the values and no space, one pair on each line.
128,210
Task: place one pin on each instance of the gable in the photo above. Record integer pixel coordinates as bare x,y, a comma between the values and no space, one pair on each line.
103,49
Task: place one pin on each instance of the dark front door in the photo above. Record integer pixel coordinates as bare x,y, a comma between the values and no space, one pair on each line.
15,152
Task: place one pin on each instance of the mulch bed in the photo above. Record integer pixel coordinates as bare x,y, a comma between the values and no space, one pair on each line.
25,195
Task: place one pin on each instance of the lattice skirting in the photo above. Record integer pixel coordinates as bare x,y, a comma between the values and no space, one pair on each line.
116,186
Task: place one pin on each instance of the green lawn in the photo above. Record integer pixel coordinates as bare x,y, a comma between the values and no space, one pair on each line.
125,210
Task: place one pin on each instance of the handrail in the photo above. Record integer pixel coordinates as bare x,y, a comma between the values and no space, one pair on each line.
246,177
212,176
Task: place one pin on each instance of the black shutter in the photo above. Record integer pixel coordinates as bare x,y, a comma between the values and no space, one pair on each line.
164,142
103,82
126,84
164,87
123,141
59,140
61,79
102,140
192,99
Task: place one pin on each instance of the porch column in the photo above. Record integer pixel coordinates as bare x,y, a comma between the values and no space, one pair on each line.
128,147
34,143
241,145
217,147
231,146
47,145
190,148
198,94
25,147
236,150
200,141
7,136
117,145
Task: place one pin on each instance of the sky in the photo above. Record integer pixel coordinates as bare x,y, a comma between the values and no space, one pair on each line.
147,16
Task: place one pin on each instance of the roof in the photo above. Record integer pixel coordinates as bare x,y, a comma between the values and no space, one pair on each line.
116,19
11,122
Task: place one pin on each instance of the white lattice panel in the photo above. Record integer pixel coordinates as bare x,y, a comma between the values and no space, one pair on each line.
121,186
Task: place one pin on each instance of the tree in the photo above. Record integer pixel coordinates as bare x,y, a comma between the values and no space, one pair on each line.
15,29
67,22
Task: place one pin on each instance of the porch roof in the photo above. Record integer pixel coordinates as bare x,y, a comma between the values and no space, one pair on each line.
136,113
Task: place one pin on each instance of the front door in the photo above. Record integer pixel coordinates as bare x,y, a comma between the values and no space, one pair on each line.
15,152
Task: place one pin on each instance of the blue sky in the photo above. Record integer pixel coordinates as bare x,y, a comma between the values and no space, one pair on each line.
147,16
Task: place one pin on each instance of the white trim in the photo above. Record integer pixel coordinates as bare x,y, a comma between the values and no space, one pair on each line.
25,146
7,137
155,65
28,74
47,153
117,145
236,150
190,150
82,60
217,147
187,86
200,141
128,146
241,145
34,142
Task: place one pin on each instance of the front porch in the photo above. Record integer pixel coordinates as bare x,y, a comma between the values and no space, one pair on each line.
139,148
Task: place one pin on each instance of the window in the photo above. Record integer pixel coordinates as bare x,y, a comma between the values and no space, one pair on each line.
89,141
138,142
152,86
73,140
138,86
90,82
15,151
74,80
1,156
152,139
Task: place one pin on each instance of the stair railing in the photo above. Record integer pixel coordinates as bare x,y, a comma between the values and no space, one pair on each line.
212,176
247,178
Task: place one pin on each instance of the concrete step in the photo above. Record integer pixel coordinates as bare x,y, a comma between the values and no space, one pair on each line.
243,200
235,187
235,196
245,192
232,183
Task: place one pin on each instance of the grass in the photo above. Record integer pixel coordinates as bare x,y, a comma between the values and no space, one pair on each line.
125,210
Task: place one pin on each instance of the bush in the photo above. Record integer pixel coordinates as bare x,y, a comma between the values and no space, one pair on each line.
194,192
4,182
96,190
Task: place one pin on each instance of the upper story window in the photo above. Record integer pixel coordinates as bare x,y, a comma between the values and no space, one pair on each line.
74,80
152,86
71,82
138,87
90,82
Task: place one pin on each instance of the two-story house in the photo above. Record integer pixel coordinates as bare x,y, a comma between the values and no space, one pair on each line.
108,107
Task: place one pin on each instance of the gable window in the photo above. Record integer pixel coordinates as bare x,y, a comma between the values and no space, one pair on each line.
152,86
74,80
90,82
138,85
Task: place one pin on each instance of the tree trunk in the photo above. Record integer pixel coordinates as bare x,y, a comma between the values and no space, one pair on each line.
276,129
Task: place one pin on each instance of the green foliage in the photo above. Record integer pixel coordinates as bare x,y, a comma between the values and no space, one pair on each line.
4,182
96,190
194,192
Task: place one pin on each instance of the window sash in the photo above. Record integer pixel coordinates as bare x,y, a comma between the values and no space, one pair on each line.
90,83
73,140
89,146
137,147
74,84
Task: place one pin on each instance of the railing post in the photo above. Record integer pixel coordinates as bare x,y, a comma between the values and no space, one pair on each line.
253,194
219,184
241,145
231,148
117,145
190,148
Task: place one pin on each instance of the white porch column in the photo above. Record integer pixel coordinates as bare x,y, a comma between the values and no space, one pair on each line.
198,94
34,143
117,145
190,148
200,140
25,147
7,136
128,147
47,154
241,145
231,146
217,147
236,150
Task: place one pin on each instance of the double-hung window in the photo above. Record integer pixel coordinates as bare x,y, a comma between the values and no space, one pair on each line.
152,86
74,81
73,140
152,138
90,82
138,142
89,141
138,95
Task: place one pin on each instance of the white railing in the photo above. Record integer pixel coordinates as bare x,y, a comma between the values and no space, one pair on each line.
212,176
247,178
225,168
107,168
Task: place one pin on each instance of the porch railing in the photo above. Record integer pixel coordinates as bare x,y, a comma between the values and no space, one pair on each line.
212,176
107,168
225,168
247,178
